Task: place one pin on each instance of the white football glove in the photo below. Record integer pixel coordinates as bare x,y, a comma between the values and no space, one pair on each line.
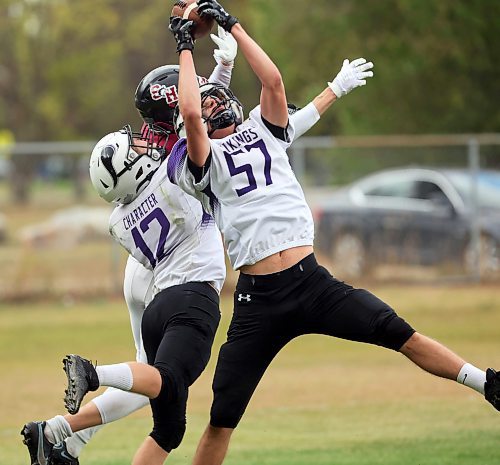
351,75
228,47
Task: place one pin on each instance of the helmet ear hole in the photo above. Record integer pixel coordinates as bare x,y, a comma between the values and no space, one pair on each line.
118,171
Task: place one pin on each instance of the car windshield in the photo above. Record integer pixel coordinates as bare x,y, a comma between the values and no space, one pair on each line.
488,187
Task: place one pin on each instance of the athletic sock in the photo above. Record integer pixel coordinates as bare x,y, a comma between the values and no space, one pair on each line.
118,376
472,377
114,404
57,429
77,442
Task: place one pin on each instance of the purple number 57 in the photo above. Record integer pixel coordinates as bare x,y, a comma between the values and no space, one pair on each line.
247,167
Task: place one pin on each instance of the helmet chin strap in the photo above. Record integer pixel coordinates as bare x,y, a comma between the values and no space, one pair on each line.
223,120
155,155
147,179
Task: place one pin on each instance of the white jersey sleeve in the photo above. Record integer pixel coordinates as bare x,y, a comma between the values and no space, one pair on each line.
168,232
251,191
304,119
221,75
179,174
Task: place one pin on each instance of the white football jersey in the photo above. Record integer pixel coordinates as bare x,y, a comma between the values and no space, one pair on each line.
251,191
168,232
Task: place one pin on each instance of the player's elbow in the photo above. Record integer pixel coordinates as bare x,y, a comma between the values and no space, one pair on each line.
191,115
274,82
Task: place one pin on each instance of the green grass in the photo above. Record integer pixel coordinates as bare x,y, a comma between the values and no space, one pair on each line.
323,401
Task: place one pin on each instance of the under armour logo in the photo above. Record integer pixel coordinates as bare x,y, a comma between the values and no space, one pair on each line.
242,297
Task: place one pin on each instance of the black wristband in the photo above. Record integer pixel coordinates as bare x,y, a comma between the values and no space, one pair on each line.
185,46
230,23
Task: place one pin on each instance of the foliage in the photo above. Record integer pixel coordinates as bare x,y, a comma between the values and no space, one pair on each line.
68,68
436,63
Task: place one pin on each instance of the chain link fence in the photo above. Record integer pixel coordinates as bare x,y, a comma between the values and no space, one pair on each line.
53,228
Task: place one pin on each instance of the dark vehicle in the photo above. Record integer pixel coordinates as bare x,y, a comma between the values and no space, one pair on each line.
421,216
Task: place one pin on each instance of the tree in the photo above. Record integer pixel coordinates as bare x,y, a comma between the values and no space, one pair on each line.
436,63
69,68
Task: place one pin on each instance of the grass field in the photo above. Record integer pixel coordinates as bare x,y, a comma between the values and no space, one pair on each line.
323,401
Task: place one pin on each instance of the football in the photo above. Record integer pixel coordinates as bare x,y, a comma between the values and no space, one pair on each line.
188,9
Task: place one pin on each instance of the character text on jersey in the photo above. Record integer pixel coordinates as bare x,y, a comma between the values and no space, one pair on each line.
139,212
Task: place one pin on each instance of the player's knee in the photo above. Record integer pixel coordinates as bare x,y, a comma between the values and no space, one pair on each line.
169,410
174,386
168,434
227,409
221,418
391,330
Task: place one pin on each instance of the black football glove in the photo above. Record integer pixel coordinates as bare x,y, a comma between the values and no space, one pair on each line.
181,29
215,10
492,388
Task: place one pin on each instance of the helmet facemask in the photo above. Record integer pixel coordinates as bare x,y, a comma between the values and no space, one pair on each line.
227,111
157,135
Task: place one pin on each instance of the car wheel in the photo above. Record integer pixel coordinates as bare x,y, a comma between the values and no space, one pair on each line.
349,255
488,262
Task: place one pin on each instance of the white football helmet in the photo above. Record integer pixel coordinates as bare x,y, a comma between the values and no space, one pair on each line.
228,110
122,165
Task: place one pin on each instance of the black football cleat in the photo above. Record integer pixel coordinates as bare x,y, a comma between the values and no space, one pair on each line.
61,456
38,445
82,378
492,388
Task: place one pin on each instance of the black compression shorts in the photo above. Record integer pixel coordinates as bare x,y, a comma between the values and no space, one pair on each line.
271,310
178,329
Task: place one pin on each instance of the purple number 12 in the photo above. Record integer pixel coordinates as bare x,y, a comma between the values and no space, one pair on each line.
247,168
158,215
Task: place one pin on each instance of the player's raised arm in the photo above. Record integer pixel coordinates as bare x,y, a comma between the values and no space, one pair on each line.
273,97
353,74
198,145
